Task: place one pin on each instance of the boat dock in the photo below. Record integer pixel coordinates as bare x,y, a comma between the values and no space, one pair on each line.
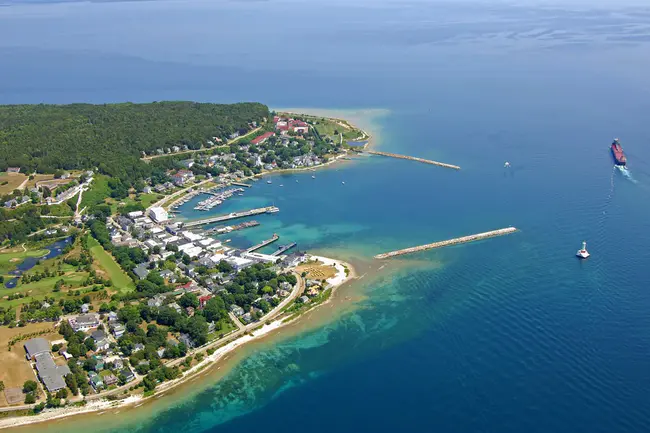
230,216
228,229
413,158
263,243
284,248
455,241
241,184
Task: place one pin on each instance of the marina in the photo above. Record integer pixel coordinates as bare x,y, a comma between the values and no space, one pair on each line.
217,198
455,241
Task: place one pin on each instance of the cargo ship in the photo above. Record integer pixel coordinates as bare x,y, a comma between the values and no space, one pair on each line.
617,153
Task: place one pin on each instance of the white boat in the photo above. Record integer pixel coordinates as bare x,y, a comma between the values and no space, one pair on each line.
268,181
342,182
281,185
506,165
582,252
313,177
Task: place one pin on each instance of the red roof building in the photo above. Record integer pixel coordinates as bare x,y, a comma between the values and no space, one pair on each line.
262,138
204,300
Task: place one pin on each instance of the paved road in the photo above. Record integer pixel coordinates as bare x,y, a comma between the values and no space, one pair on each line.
228,143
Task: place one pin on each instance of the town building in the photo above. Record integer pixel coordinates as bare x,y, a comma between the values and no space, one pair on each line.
84,322
158,214
36,346
49,373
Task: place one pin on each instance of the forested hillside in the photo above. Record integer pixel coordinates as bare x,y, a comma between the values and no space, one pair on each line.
111,137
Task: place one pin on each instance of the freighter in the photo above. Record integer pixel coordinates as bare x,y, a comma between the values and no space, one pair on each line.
617,153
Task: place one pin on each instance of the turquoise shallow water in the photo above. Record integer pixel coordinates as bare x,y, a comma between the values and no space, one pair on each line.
507,335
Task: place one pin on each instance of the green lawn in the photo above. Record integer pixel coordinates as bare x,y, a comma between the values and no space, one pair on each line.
97,193
43,288
121,281
145,200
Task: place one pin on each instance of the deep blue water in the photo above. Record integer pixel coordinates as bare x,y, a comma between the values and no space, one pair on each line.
508,335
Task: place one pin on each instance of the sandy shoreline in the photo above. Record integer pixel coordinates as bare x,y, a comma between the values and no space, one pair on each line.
208,361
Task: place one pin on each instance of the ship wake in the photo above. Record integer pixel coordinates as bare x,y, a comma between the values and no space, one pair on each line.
626,173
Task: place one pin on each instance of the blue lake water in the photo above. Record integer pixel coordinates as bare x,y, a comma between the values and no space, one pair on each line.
507,335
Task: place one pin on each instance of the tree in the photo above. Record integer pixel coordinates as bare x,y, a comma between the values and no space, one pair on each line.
189,300
214,309
90,364
29,386
62,393
71,381
30,398
2,385
90,344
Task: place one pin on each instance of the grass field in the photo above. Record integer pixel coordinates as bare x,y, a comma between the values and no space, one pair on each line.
144,199
97,193
14,180
15,368
121,281
317,270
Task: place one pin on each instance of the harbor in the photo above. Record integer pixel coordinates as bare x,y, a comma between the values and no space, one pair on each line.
216,198
450,242
413,158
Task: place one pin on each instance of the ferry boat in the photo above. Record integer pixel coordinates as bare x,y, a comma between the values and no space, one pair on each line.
582,252
617,153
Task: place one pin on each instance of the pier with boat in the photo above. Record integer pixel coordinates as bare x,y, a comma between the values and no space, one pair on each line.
232,215
263,243
228,229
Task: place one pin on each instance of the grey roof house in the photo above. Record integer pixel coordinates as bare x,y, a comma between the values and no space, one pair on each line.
36,346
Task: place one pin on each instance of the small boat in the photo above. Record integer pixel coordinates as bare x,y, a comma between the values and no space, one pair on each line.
313,177
281,185
506,165
342,182
582,252
240,194
269,182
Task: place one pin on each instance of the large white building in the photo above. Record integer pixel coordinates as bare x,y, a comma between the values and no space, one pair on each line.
158,214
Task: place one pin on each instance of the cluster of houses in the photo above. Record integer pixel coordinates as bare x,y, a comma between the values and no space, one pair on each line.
52,374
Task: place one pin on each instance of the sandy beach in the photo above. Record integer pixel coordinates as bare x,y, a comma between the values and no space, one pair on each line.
210,361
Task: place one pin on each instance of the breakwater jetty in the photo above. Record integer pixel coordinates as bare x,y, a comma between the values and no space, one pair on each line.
413,158
263,243
230,216
455,241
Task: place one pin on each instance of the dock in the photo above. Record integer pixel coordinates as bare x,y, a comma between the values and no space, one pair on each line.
284,248
228,229
241,184
263,243
230,216
413,158
455,241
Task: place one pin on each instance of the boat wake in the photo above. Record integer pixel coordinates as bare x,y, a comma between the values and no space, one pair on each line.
626,173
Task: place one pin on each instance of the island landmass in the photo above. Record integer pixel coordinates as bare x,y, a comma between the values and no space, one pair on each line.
111,298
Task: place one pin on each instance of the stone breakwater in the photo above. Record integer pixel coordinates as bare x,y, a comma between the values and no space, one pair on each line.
447,243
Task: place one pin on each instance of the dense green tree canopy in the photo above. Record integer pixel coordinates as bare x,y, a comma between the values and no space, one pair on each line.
111,137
